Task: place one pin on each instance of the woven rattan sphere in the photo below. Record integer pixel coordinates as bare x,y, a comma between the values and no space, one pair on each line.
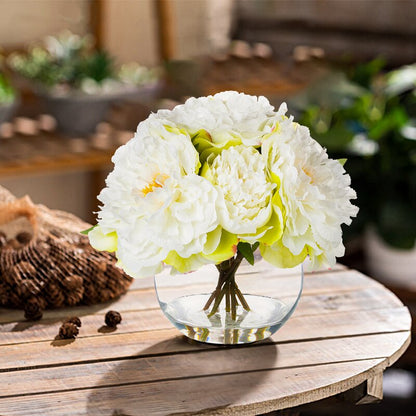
44,258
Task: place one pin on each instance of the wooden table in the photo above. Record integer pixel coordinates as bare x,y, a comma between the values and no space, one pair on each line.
346,330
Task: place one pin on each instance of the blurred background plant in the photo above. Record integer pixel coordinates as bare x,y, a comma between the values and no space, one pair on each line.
8,95
369,116
69,62
7,92
136,74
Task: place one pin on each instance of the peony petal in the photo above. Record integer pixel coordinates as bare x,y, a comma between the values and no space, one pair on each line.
101,241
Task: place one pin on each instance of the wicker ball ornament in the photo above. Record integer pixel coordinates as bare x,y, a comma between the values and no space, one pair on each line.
46,263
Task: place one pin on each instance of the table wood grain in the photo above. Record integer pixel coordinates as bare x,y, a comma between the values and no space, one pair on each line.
346,330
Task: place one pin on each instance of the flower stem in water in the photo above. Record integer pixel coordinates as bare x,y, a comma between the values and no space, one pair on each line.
227,288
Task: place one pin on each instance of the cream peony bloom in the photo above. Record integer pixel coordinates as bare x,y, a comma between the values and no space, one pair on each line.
263,179
155,202
226,116
315,192
239,173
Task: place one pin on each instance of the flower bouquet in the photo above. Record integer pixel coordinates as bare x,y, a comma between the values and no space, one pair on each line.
212,181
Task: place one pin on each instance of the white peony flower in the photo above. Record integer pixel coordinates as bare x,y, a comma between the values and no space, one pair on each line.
155,126
263,179
155,202
226,116
315,192
241,177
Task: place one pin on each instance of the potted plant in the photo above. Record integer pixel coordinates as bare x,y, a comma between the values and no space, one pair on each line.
370,115
8,100
76,81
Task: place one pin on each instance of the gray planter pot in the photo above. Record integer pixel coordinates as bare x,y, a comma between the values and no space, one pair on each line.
7,111
77,115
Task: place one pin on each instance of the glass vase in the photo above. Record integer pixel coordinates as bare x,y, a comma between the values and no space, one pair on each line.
204,308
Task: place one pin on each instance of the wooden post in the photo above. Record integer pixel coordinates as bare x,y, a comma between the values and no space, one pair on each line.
165,26
96,21
371,391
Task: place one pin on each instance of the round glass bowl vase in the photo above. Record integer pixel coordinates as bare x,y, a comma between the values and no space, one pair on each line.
270,295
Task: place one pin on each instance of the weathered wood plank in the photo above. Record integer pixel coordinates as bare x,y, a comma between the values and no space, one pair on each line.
366,299
300,326
141,299
235,394
346,330
200,362
322,281
113,346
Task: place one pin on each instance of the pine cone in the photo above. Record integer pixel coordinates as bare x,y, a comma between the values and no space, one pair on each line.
112,318
74,320
33,309
25,268
4,294
72,281
68,330
54,295
14,300
74,296
90,294
12,276
105,294
27,288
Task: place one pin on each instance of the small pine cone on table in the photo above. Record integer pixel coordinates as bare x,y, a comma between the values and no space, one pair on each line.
74,320
68,330
112,318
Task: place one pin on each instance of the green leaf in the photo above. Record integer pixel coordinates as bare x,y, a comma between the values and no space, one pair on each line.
342,161
247,251
85,232
393,120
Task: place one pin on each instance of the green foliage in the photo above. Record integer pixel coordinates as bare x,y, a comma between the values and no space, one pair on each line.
247,250
370,116
7,93
97,66
85,232
65,60
364,74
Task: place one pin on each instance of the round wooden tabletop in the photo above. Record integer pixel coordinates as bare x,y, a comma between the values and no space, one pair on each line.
346,330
